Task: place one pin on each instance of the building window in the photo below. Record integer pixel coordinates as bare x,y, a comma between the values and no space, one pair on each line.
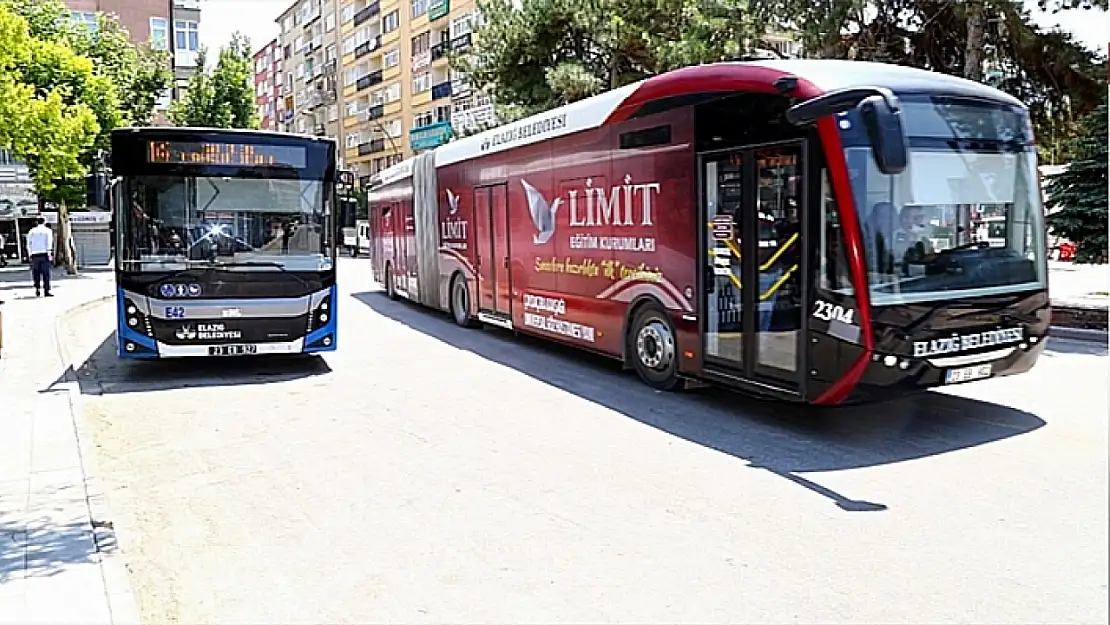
421,43
186,34
329,22
419,7
393,92
421,82
347,14
422,119
393,128
159,33
461,25
392,58
349,45
329,53
350,77
85,19
391,22
443,114
333,112
287,24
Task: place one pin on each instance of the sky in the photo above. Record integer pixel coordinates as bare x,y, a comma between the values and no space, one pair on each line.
255,19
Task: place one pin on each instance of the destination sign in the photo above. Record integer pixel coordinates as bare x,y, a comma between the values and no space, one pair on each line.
224,154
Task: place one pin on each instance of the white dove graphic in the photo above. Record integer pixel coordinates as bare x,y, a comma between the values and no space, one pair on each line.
543,215
452,202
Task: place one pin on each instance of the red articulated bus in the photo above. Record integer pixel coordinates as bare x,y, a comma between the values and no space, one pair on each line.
800,229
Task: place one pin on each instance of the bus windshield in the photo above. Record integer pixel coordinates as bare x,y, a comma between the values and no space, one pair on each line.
965,218
248,224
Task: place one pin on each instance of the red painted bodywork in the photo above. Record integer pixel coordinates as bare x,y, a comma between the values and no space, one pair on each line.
497,246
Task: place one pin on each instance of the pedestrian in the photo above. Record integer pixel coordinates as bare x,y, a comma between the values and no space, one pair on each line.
40,247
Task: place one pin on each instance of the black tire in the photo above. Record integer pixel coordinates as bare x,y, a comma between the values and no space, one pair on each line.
653,349
459,302
389,290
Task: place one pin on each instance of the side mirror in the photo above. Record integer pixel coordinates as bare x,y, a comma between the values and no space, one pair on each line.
96,190
881,113
883,124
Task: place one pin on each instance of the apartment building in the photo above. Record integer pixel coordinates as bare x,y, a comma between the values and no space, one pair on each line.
399,94
269,74
162,23
309,54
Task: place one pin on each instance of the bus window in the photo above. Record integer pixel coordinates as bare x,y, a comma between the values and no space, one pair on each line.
920,241
834,263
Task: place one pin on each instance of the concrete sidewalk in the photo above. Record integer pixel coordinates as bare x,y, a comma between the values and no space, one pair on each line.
53,563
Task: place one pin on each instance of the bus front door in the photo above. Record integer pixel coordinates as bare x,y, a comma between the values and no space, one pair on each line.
752,207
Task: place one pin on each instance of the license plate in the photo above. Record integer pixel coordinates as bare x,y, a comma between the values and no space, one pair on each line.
967,374
232,350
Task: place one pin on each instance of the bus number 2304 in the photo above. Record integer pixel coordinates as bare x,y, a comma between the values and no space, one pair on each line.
827,312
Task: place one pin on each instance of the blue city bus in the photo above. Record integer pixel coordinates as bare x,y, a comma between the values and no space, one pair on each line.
224,242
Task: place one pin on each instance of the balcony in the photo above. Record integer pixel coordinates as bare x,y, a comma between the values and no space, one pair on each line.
440,50
421,59
368,80
374,112
442,90
367,12
430,136
461,43
367,47
370,147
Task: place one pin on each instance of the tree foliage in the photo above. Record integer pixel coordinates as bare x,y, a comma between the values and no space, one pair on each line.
1079,192
537,54
224,96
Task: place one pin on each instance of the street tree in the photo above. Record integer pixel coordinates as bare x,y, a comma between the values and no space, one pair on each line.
1079,192
536,54
50,102
222,97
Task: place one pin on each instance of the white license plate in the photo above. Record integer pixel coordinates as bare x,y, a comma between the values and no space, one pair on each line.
967,374
232,350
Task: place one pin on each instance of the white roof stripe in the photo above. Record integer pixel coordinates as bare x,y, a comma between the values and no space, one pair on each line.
565,120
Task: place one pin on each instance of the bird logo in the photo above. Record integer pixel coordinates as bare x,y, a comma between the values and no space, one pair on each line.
452,202
543,214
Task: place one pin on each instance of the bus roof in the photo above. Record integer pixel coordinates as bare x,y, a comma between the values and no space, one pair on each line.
815,76
244,132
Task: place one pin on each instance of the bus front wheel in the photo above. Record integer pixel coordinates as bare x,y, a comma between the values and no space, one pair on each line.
652,348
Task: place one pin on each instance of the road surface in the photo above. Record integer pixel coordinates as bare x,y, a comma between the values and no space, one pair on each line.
426,473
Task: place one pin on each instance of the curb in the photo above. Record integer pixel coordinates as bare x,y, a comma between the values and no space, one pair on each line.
1079,334
122,606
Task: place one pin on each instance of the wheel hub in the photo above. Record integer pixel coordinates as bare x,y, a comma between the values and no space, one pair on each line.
655,346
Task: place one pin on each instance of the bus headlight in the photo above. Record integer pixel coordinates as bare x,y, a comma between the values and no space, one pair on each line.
320,316
137,320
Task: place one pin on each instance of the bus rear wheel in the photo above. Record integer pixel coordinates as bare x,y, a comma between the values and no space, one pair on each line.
389,290
460,302
653,350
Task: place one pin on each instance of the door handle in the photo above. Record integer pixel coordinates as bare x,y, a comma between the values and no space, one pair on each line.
506,262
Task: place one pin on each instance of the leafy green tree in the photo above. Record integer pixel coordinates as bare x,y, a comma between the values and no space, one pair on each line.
140,73
1079,192
224,96
537,54
45,114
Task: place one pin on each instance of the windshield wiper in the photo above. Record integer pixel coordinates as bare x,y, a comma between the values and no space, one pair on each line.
260,263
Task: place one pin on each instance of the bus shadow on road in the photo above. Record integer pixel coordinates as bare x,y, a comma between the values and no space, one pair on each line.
783,439
104,373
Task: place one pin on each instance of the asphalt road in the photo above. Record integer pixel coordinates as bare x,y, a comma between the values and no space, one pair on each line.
426,473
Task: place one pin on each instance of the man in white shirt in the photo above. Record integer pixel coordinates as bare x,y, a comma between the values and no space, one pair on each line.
40,246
